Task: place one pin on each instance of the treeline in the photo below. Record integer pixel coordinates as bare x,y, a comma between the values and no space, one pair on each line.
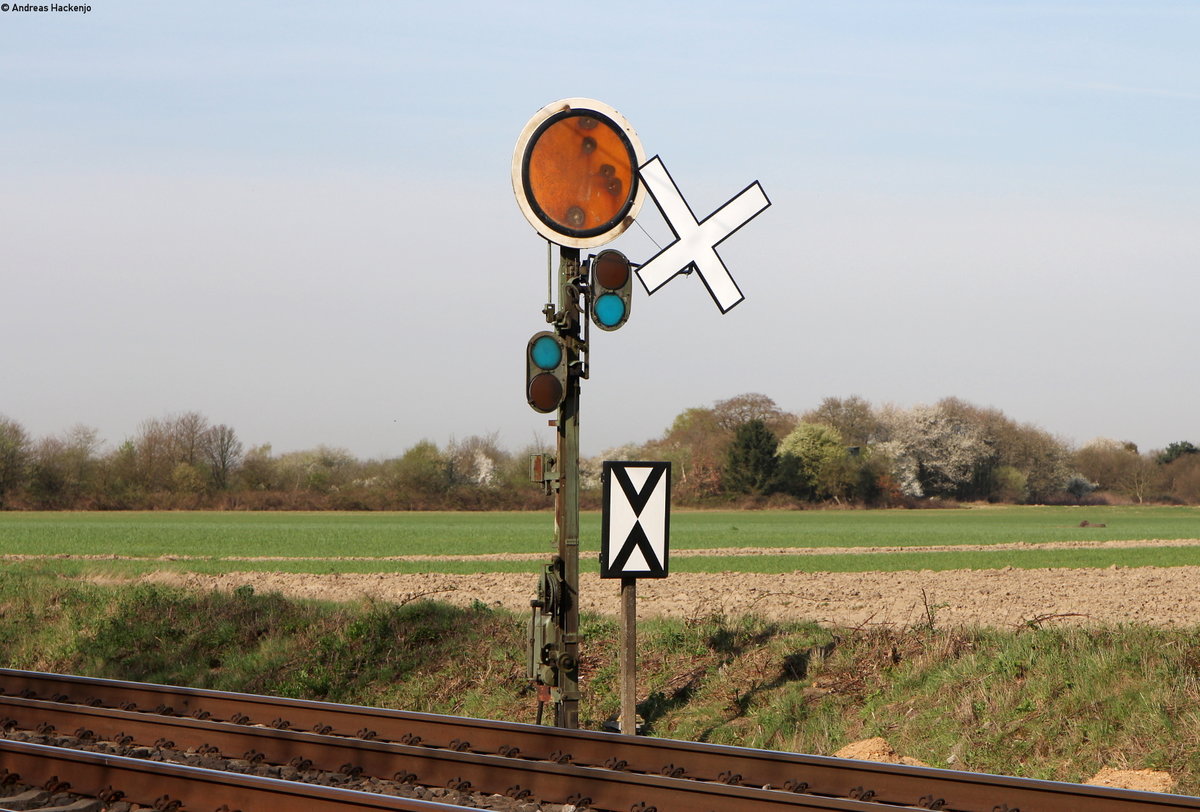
184,462
739,452
847,451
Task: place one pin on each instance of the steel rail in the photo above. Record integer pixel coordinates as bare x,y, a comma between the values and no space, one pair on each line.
194,788
925,787
461,770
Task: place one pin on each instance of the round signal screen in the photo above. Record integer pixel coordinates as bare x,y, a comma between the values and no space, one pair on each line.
575,173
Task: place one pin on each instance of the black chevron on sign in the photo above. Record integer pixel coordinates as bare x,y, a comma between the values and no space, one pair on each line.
638,499
637,540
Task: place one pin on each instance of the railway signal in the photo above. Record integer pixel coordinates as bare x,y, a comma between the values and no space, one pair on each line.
580,177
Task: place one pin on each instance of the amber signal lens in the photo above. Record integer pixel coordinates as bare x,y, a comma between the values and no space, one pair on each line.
580,174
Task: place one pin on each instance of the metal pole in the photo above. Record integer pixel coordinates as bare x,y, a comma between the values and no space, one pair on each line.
629,656
567,500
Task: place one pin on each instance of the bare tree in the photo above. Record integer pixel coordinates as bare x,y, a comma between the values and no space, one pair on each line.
187,437
695,444
153,455
221,451
1111,464
737,411
853,418
64,468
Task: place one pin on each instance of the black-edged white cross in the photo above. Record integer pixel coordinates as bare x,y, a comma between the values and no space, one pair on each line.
696,241
636,519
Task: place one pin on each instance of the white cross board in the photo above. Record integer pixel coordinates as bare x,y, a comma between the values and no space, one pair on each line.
696,241
636,518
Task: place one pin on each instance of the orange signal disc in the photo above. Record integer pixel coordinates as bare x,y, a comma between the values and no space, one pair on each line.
575,173
581,174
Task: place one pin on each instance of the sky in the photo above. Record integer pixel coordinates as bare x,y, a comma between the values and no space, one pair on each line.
298,219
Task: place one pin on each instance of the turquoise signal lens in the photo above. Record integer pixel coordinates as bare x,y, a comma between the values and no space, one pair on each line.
546,353
610,310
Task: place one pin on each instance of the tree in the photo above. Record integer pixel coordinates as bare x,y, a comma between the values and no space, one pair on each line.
737,411
1176,450
1079,486
1009,484
1182,479
64,469
1040,459
221,452
1118,467
934,451
320,470
853,418
154,455
696,445
187,478
810,462
120,483
750,463
257,471
1044,460
161,445
1105,461
474,462
421,475
14,458
1143,481
187,432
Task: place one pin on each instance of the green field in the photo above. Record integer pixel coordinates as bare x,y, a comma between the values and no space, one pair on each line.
205,538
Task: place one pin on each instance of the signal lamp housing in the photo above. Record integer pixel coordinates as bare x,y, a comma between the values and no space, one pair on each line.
611,284
545,372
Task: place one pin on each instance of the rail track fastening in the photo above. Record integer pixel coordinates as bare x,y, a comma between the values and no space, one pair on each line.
598,770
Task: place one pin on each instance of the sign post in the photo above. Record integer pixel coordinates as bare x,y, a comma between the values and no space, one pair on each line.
628,717
634,543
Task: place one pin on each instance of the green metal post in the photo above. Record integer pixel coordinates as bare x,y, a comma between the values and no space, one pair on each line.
566,502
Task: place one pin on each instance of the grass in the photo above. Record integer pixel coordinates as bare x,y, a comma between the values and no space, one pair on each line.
363,653
329,534
462,533
1056,703
1049,703
214,533
202,541
916,528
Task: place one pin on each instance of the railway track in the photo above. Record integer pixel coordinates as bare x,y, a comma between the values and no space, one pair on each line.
425,761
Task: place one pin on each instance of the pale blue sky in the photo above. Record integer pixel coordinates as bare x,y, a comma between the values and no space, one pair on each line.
297,218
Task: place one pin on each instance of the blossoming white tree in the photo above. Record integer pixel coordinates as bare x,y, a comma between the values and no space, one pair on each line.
934,451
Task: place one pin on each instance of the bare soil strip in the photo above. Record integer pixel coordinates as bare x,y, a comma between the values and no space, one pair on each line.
714,552
1013,598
